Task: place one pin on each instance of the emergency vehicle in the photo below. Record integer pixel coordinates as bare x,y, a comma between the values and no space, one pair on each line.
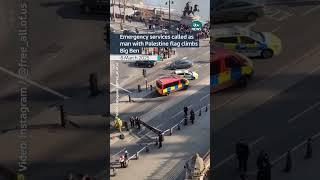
247,42
228,68
167,85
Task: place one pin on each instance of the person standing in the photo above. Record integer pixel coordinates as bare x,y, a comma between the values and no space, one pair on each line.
160,139
185,109
242,152
192,116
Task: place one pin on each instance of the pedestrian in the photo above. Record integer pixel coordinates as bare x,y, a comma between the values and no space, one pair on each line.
160,139
131,122
121,160
138,125
192,116
242,152
261,160
185,120
267,170
185,109
126,154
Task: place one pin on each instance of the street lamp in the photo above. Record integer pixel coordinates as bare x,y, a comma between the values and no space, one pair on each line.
169,3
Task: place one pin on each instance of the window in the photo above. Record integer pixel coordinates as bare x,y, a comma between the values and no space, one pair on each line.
247,40
159,85
232,62
227,40
215,67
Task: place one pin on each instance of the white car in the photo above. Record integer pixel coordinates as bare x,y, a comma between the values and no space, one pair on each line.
190,75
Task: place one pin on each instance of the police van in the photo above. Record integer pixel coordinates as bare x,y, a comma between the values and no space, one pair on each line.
247,42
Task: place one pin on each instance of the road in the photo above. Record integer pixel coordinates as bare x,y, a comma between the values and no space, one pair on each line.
278,110
65,47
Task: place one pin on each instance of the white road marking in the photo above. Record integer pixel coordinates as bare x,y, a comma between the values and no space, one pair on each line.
234,155
311,10
204,97
303,112
120,88
33,83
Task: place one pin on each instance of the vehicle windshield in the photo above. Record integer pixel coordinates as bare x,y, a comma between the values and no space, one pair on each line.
257,36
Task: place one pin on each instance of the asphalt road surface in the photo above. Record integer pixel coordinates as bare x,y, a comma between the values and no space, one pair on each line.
279,108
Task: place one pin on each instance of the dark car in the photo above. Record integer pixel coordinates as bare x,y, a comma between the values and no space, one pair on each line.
237,11
95,6
146,63
181,64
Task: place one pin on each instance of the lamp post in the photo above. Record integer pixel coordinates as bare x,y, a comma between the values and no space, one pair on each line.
169,3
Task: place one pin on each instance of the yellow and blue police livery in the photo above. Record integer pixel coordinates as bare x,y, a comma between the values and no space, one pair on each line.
228,68
247,42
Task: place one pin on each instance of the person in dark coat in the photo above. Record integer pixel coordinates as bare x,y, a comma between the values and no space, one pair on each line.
185,109
242,152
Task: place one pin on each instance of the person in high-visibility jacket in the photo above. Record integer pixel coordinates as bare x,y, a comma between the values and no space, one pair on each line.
118,124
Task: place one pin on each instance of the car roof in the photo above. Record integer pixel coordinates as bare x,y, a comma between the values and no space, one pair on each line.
222,53
169,79
229,31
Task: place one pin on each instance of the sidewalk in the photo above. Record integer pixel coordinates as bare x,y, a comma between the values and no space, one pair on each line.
168,162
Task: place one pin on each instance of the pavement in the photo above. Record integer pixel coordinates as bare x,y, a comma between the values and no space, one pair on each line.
168,162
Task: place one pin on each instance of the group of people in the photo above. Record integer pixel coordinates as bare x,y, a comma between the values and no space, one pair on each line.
135,122
263,162
192,115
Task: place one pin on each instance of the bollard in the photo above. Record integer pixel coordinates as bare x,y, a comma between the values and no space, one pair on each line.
147,149
179,128
146,85
156,143
309,149
288,162
150,87
137,155
139,88
206,108
129,97
144,72
62,116
170,131
200,112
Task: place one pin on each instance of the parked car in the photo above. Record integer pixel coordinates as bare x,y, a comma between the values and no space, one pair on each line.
181,64
146,63
237,11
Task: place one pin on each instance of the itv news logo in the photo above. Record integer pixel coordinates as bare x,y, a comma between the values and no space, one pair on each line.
196,26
